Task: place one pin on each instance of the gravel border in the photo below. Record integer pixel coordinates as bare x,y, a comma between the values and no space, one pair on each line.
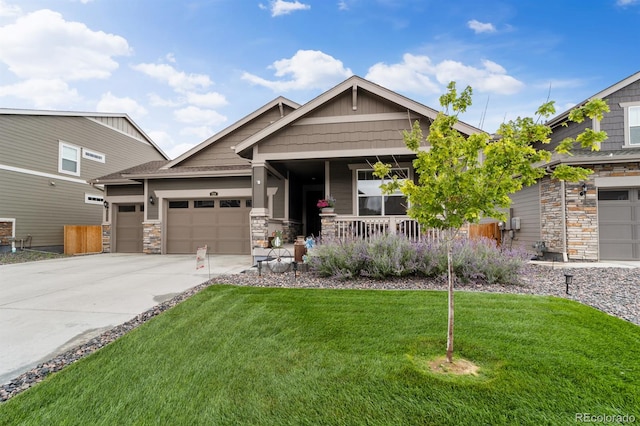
615,291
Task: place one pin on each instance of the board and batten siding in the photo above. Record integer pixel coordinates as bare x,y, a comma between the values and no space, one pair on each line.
526,206
342,184
221,152
343,134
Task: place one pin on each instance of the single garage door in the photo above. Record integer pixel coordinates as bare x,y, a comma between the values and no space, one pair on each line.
129,218
619,224
221,224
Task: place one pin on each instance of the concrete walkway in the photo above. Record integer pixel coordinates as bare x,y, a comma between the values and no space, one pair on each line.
49,306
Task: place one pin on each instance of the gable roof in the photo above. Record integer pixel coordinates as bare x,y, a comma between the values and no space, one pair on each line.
278,102
88,115
600,95
352,83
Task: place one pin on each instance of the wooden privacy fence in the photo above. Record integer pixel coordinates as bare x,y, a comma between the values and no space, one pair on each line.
487,230
82,239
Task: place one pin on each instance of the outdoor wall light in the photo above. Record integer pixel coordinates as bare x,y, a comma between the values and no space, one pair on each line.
583,193
105,204
258,182
568,279
151,200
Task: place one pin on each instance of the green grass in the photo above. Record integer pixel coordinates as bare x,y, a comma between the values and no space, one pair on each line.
242,355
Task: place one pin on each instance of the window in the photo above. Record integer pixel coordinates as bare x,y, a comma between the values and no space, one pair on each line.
634,125
229,203
371,202
127,208
203,204
178,204
93,199
69,162
613,195
93,155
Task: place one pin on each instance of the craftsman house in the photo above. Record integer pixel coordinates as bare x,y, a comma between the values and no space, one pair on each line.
598,219
48,157
266,173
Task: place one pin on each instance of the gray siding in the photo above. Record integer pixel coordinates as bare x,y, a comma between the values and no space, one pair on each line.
341,183
341,136
526,206
220,153
42,210
120,190
613,122
190,184
31,142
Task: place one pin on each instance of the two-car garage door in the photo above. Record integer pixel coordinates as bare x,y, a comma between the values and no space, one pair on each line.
221,224
619,224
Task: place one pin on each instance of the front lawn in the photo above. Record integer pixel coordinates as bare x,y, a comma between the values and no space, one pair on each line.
244,355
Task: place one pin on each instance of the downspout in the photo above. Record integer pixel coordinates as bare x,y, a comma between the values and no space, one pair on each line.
563,201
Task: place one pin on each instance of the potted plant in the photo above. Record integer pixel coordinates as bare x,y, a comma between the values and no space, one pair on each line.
327,205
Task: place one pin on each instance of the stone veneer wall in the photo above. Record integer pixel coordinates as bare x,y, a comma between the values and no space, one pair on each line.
290,230
551,214
6,231
259,230
581,212
151,237
327,227
106,238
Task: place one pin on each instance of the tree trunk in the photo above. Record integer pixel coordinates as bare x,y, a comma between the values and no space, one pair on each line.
450,297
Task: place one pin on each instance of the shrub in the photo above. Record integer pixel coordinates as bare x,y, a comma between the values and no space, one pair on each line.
394,256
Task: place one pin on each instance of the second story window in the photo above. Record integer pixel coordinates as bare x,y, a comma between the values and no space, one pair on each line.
69,159
634,125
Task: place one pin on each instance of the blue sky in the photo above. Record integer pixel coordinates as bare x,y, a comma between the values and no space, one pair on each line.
184,70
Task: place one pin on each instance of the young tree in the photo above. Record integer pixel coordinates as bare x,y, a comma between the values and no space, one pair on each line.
462,179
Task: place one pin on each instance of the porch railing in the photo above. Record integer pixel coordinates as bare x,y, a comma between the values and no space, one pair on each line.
367,227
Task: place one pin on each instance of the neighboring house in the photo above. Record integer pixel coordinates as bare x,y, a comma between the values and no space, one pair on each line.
47,159
598,219
266,173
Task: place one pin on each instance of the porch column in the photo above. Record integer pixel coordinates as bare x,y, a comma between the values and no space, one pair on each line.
327,227
260,206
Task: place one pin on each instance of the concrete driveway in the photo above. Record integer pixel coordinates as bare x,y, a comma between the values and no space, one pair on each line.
49,306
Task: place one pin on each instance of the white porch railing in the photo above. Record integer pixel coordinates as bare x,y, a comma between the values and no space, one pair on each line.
366,227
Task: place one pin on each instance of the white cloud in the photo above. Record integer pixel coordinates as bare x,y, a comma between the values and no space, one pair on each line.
281,7
158,101
207,100
413,75
202,132
43,45
43,93
491,78
199,116
481,27
309,69
111,103
178,80
9,10
416,73
626,2
343,5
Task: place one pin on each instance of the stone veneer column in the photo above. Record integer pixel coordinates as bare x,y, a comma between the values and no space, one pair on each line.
327,227
106,238
151,237
291,229
582,222
259,229
551,214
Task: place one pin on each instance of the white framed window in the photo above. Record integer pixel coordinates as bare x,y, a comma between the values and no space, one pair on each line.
93,199
631,124
69,159
93,155
634,125
371,201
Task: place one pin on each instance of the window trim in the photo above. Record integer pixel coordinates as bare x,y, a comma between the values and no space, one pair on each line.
92,155
97,199
62,145
409,172
627,125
